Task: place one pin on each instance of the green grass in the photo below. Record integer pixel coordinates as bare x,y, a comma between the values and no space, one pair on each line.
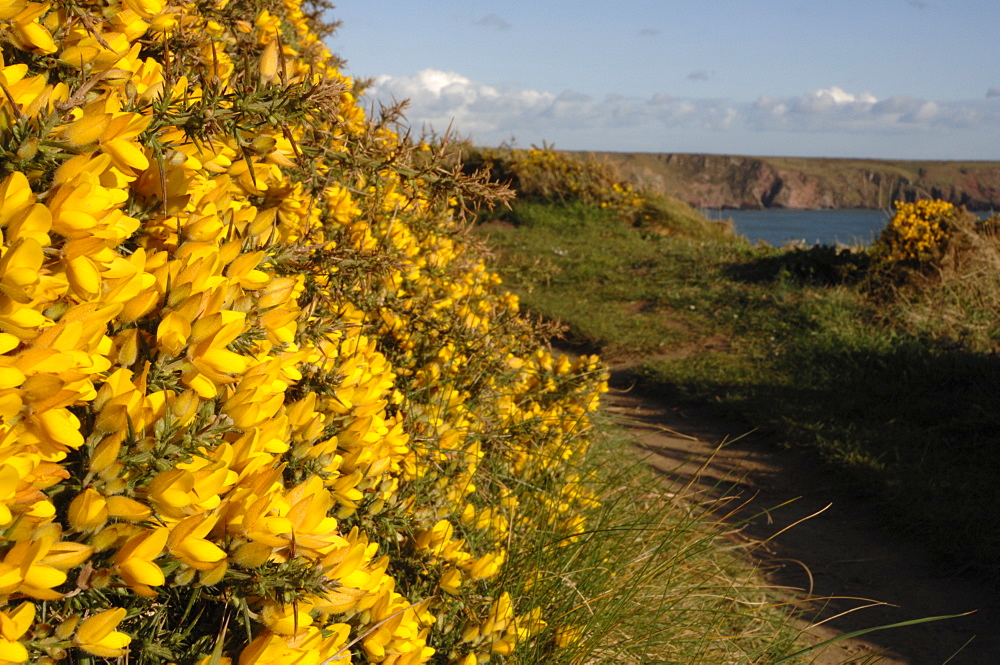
794,343
576,263
649,581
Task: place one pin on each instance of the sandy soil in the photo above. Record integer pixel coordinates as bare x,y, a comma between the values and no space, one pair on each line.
842,558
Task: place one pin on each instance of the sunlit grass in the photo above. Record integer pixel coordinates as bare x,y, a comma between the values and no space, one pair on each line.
650,580
893,382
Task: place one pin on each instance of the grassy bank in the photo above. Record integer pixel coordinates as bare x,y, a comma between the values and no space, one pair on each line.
649,580
888,374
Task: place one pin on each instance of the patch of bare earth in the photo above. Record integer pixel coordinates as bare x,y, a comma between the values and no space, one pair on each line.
830,550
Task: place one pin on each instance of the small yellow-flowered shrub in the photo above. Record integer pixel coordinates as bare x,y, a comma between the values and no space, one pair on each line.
917,231
544,173
250,371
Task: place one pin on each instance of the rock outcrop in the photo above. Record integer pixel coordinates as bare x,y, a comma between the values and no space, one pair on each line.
728,181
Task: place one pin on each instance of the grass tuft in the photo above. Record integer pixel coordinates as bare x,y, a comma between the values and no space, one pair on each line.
650,580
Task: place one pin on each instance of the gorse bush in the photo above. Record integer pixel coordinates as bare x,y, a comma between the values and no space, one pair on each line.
251,368
548,175
951,291
917,231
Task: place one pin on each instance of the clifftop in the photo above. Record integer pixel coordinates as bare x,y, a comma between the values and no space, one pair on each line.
728,181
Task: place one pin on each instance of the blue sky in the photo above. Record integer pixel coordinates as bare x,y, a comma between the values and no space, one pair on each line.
913,79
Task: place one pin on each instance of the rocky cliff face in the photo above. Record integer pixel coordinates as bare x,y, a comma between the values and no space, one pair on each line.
724,181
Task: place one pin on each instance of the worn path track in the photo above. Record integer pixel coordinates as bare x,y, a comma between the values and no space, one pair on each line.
845,551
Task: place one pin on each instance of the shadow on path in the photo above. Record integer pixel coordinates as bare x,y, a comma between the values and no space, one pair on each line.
843,553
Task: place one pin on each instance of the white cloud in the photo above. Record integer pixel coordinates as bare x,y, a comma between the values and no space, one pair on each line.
836,110
491,114
832,99
438,97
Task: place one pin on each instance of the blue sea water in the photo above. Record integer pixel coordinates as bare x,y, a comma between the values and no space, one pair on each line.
778,226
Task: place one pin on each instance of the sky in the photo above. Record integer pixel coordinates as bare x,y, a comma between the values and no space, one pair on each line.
891,79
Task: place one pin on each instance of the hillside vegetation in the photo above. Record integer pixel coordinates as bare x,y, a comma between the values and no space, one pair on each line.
262,402
883,361
727,181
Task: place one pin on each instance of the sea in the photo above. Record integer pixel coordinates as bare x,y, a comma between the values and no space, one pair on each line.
779,227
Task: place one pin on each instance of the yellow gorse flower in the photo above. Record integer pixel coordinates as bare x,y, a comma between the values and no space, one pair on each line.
97,634
13,625
25,29
134,561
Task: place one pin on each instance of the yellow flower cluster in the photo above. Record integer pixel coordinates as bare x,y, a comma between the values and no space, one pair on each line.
251,374
917,230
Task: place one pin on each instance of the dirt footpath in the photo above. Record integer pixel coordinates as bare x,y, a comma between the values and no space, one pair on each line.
844,557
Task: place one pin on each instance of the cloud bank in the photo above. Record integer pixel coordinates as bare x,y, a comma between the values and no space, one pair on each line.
491,114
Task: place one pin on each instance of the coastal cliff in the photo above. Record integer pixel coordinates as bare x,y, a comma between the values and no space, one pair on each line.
728,181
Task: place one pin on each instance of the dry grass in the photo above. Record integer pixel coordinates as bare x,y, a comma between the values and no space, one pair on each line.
956,299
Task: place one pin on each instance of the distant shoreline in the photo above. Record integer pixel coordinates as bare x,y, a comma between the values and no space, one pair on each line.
789,157
739,182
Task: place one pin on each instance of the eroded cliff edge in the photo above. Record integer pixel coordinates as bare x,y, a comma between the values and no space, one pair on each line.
729,181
